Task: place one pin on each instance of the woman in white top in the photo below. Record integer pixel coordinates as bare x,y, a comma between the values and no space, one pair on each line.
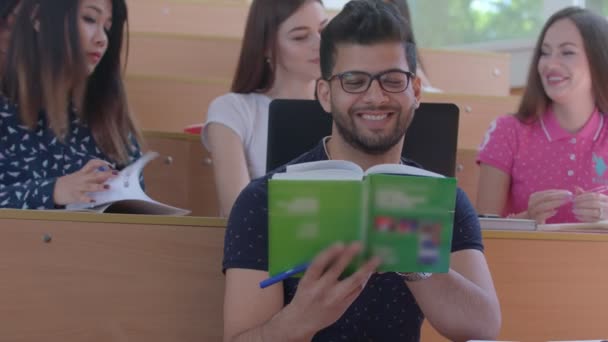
279,59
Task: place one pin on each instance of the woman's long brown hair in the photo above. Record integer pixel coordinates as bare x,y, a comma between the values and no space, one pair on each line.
45,63
254,73
594,31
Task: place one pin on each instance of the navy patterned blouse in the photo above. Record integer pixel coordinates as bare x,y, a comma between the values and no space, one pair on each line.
386,310
32,160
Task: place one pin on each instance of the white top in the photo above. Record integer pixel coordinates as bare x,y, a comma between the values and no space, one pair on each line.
247,116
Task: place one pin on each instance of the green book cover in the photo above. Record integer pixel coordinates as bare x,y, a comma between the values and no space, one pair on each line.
400,213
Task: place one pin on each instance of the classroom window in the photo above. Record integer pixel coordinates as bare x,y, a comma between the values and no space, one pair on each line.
473,21
600,6
458,23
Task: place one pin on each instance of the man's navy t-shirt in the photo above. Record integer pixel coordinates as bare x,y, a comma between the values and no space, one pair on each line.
385,311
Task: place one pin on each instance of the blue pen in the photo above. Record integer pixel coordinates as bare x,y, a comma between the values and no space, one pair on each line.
284,275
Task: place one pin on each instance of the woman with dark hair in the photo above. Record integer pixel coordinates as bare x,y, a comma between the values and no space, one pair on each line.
548,161
279,59
8,10
404,9
64,121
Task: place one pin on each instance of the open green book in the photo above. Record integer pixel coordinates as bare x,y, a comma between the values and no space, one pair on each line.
401,213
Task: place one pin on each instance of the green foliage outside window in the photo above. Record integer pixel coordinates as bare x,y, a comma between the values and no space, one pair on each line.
600,6
440,23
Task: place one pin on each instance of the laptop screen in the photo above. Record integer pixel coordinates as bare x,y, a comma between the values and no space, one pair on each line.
296,126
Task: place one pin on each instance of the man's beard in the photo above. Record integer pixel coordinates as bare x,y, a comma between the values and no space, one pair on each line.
377,144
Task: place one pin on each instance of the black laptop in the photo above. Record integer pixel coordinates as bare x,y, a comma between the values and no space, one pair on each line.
296,126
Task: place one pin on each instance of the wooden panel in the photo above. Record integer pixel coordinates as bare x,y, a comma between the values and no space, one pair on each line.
519,91
105,281
550,290
467,172
203,193
219,18
170,105
183,174
183,56
468,72
476,114
110,282
166,177
204,57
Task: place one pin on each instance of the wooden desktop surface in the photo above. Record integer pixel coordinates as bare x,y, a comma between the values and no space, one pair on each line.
104,277
110,277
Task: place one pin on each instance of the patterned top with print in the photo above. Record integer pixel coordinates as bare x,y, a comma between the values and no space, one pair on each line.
31,160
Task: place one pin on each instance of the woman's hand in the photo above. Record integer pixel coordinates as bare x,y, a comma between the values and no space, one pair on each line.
589,206
543,204
73,188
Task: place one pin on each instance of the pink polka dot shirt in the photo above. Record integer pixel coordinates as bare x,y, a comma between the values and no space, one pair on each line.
542,156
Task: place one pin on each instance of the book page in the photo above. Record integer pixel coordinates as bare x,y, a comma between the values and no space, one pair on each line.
507,224
334,175
410,222
320,170
400,169
126,187
305,217
588,227
325,165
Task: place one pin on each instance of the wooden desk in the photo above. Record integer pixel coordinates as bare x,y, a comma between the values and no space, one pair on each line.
183,174
551,286
110,278
122,278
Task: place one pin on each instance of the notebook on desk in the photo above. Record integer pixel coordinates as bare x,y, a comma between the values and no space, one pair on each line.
296,126
509,224
125,194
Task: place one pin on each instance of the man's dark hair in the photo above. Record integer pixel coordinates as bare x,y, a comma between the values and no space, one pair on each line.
365,22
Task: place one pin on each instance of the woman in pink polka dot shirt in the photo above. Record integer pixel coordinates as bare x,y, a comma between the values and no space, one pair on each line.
548,162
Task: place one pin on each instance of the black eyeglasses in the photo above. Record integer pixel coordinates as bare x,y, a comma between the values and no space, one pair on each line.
357,82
